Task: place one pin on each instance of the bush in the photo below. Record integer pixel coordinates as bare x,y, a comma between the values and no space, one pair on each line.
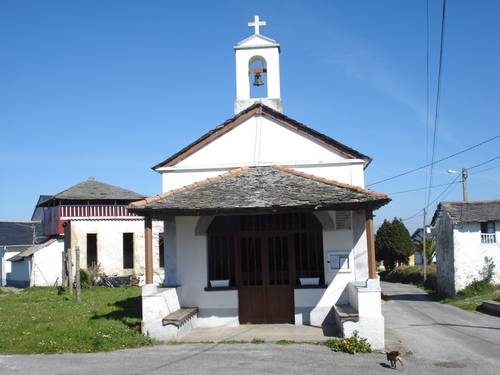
352,345
476,287
412,275
84,279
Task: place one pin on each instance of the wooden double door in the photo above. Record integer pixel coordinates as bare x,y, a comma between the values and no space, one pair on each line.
266,276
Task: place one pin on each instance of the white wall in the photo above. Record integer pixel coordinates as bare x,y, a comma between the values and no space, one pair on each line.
215,308
312,306
5,265
255,142
470,253
110,244
47,265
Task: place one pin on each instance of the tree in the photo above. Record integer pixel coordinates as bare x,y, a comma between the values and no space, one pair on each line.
393,243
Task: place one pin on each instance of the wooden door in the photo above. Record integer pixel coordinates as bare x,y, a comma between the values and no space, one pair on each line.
266,290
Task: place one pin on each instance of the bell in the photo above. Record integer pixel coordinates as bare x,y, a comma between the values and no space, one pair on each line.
258,80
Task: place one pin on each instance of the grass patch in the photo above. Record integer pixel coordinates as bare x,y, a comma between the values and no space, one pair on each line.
257,340
285,342
233,342
412,275
41,320
474,294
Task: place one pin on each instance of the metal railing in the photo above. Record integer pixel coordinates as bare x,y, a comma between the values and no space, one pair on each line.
488,238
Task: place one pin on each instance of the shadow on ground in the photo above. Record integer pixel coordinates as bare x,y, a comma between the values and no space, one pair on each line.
127,311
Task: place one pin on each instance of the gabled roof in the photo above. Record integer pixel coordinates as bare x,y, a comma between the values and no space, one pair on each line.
256,41
263,110
17,233
466,212
31,250
267,188
92,190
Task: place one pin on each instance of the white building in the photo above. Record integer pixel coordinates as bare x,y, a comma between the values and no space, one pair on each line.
266,221
94,217
467,235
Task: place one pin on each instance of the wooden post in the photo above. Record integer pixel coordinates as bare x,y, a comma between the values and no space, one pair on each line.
148,248
69,265
77,273
370,239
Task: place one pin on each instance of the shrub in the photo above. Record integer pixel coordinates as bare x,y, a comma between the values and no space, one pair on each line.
476,287
412,275
84,279
257,340
351,345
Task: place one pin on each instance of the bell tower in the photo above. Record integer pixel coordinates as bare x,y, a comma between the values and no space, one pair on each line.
257,70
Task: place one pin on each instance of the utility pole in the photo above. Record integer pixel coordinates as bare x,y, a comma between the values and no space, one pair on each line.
77,276
424,255
465,189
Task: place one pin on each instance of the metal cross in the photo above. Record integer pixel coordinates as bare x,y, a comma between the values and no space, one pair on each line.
257,23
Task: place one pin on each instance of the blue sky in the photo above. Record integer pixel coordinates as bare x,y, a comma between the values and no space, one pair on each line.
110,88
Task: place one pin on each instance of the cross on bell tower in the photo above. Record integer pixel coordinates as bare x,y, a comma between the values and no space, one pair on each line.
256,24
257,64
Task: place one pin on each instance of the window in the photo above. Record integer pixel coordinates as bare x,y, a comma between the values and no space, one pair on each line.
91,250
161,247
339,262
221,259
488,234
342,220
309,255
128,250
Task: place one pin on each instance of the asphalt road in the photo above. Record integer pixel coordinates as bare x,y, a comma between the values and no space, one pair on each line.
444,340
439,332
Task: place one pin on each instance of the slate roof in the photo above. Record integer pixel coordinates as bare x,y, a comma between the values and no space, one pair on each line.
92,190
16,233
30,251
269,188
473,211
261,109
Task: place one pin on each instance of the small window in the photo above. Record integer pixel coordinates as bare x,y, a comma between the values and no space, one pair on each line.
488,227
342,220
221,261
128,250
339,262
91,250
161,246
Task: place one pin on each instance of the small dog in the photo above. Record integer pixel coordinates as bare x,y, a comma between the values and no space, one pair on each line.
393,358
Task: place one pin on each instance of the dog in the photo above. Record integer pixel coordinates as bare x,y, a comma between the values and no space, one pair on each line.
393,358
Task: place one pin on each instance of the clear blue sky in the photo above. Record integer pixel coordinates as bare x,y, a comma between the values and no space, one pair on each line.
110,88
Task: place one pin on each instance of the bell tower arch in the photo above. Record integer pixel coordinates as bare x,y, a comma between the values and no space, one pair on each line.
257,64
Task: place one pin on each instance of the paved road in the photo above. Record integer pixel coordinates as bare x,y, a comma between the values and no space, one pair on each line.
444,340
438,332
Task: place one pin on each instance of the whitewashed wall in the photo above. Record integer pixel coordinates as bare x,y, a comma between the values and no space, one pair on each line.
47,265
5,265
470,253
110,244
312,306
216,308
262,141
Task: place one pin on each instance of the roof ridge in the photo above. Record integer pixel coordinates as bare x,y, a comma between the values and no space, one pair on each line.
329,181
207,181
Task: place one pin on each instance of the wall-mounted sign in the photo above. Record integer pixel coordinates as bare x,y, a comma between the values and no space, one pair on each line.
339,262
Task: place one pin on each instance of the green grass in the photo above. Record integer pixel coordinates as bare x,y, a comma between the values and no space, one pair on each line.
257,340
471,297
285,342
41,320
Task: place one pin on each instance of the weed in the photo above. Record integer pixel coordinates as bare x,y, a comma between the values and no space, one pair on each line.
257,340
352,345
285,342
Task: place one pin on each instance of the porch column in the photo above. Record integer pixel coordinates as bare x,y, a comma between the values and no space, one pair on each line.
370,239
148,248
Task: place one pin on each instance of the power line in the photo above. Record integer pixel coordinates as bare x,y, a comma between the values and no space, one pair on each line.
427,95
416,189
435,162
438,99
487,169
484,162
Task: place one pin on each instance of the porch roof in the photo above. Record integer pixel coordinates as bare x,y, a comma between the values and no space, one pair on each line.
259,189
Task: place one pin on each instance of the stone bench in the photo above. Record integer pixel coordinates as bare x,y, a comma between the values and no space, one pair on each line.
179,317
492,307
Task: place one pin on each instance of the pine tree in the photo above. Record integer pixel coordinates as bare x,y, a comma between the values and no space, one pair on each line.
393,243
